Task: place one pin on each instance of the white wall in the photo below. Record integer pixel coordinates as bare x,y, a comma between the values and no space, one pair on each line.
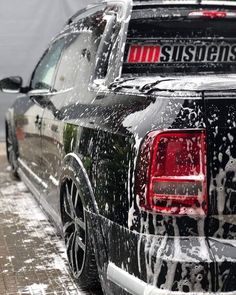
26,28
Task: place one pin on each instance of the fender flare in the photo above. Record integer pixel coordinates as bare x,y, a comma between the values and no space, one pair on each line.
73,167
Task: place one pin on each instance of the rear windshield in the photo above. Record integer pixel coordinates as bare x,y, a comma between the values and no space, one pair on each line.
181,40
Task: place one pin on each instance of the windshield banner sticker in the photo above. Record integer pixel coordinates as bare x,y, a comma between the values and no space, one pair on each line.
182,53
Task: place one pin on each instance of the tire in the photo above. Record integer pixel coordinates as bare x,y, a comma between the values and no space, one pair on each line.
79,247
11,150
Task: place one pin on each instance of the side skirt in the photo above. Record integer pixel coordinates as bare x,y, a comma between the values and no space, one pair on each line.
51,214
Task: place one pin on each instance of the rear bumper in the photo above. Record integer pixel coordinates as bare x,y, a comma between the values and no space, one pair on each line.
136,286
148,264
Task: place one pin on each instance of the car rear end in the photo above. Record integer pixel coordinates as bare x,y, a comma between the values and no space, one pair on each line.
182,220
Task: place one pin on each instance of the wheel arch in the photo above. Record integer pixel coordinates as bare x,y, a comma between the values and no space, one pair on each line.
74,168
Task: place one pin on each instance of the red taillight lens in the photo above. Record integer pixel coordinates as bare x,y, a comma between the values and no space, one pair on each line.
212,14
171,172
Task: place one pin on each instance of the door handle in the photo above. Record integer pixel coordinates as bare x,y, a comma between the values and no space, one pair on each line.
54,128
38,121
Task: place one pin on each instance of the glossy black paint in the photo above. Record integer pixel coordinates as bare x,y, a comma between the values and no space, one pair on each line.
100,141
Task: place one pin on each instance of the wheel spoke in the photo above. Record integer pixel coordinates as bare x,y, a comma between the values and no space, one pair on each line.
67,208
76,255
67,225
80,223
9,141
76,198
73,187
80,243
69,199
68,241
10,148
72,251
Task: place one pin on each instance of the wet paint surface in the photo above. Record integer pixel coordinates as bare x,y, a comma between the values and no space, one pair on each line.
101,128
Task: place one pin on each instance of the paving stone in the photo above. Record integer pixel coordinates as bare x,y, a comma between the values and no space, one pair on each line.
32,255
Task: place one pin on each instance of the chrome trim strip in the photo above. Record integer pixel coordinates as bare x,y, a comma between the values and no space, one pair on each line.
54,180
43,92
224,3
39,92
38,179
185,2
220,94
125,280
160,2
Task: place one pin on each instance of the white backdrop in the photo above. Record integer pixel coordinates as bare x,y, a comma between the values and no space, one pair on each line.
26,28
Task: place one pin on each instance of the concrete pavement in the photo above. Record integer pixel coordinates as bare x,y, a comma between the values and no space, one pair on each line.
2,150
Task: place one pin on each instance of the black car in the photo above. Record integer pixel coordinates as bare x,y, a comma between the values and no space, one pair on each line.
126,134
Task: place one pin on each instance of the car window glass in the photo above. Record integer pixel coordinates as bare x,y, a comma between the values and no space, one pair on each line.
44,73
65,78
178,44
79,56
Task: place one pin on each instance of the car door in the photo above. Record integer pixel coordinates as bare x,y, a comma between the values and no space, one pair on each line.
72,96
29,125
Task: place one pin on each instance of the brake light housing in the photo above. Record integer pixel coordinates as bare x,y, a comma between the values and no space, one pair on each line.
212,14
171,172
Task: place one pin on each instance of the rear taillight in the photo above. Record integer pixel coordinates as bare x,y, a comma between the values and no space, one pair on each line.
212,14
171,172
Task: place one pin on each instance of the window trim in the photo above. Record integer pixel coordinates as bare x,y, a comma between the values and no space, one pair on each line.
114,72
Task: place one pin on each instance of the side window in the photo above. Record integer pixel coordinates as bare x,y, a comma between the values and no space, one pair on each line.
69,63
78,60
43,75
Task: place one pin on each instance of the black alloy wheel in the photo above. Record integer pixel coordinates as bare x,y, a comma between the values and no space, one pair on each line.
78,245
11,151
